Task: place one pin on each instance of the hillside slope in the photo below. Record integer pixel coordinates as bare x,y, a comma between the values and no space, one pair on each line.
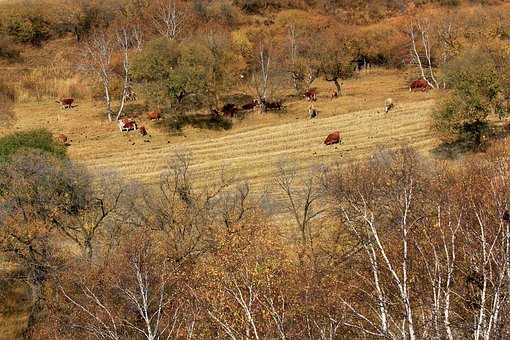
252,148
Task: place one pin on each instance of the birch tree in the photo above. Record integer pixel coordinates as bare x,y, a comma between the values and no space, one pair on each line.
169,18
99,49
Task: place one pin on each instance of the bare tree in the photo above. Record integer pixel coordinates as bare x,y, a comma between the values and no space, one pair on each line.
262,77
142,282
99,49
124,39
138,36
169,19
302,198
304,64
432,44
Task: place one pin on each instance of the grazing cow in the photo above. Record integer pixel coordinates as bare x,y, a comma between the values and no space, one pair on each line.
333,138
419,85
154,115
333,94
388,105
229,110
312,112
62,138
127,124
250,106
311,94
276,106
67,103
142,130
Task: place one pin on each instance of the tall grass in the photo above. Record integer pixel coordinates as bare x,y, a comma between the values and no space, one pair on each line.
48,82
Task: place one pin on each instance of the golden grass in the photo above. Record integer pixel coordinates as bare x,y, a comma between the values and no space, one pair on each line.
250,150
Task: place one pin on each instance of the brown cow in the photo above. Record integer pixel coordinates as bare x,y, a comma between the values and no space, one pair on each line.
154,115
62,138
333,94
67,103
419,85
127,124
142,130
333,138
311,94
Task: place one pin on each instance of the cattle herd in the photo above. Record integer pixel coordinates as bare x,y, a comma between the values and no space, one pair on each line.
230,110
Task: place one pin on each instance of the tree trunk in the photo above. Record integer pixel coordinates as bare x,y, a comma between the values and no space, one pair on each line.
338,86
87,248
122,102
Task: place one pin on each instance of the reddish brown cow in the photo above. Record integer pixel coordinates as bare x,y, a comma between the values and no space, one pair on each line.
62,138
154,115
311,94
419,85
333,138
142,130
127,124
67,103
333,94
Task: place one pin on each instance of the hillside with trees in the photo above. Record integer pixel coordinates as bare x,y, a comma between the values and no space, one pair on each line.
164,173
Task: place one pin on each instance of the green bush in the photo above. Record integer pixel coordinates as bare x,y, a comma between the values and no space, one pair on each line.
39,139
478,89
29,30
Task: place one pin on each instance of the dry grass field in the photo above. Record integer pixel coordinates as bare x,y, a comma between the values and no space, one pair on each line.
250,150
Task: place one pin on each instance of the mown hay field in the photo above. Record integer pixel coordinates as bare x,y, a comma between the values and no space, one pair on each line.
250,150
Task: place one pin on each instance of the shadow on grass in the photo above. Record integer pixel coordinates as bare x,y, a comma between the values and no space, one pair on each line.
175,123
461,147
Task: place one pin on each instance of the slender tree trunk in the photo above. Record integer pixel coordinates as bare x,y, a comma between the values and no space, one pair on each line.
123,39
338,86
108,100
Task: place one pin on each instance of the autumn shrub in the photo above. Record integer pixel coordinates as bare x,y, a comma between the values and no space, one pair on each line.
30,29
40,139
479,89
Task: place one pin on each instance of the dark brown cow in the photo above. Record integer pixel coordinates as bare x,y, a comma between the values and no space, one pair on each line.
250,106
311,94
67,103
142,130
419,85
62,138
229,110
275,106
154,115
333,138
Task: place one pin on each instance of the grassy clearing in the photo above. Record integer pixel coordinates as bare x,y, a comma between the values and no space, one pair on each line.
256,143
